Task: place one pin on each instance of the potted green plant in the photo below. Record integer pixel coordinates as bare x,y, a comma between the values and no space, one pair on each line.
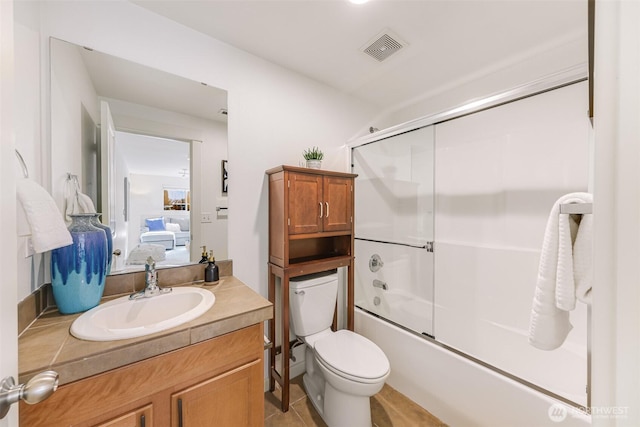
313,156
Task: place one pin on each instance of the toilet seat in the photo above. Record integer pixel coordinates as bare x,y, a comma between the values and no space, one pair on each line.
352,356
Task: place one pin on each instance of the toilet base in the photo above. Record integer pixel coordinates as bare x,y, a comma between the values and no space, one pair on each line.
315,395
336,408
345,410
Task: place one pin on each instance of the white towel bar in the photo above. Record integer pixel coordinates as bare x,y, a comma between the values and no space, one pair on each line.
576,208
25,171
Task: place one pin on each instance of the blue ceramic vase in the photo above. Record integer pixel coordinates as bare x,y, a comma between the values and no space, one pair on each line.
78,271
95,221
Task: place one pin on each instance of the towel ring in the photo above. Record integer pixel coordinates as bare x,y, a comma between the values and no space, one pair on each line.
25,171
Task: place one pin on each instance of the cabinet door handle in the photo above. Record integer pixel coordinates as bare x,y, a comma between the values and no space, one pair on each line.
327,203
142,421
320,203
179,412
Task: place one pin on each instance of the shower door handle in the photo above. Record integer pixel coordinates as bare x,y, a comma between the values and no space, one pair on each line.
327,214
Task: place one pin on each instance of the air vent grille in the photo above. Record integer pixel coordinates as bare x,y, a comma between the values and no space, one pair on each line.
383,47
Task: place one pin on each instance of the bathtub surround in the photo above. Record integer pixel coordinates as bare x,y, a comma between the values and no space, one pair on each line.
494,175
458,391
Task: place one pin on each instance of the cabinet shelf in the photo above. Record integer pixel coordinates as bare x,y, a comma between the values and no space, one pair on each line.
317,235
300,262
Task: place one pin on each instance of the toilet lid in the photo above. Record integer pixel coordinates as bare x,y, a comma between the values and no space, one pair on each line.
352,354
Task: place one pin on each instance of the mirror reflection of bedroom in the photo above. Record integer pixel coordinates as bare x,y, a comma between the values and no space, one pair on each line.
157,197
103,111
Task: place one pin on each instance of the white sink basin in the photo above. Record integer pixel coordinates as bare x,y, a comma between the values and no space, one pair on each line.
126,318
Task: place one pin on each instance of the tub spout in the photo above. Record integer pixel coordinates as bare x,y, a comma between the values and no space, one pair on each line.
380,284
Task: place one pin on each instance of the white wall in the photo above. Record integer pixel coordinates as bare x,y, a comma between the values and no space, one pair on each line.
71,88
29,134
616,294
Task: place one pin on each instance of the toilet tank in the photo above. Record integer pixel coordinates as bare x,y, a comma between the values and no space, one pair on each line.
312,301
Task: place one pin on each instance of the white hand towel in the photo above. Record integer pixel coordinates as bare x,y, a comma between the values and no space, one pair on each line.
76,201
556,289
583,259
48,230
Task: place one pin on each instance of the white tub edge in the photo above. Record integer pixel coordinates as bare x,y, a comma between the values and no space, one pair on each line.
456,390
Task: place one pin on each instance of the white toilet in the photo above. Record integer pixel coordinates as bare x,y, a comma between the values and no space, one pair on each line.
343,369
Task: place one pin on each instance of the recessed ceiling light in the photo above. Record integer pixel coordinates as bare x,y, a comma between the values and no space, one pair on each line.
358,1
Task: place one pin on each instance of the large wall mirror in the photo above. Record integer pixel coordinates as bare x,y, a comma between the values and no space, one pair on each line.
147,147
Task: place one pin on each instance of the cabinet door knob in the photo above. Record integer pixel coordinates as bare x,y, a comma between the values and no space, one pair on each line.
320,203
327,203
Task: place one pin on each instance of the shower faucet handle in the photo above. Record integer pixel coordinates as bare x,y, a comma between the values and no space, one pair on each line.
375,263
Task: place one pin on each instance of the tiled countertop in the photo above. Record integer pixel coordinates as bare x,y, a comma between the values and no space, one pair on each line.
47,343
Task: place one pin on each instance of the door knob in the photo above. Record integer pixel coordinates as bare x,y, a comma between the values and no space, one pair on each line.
34,391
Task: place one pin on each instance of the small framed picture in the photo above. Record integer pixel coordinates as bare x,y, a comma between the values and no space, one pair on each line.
225,176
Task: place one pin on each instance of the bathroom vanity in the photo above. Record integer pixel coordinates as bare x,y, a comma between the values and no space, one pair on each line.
207,370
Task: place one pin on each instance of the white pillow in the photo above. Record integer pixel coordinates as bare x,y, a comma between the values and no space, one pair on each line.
169,226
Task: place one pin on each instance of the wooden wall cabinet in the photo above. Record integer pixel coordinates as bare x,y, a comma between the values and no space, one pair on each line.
319,203
310,231
215,382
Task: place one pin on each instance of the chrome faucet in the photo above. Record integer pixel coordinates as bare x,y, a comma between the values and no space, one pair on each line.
380,284
151,287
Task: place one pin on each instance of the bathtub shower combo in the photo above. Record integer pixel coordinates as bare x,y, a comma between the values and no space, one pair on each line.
450,219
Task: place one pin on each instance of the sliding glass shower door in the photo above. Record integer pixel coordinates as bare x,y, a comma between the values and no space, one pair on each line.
394,228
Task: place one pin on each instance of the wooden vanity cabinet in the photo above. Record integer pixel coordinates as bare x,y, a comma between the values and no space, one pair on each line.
218,382
222,398
310,231
142,417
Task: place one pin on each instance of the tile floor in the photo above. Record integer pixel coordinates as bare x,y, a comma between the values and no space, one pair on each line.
389,408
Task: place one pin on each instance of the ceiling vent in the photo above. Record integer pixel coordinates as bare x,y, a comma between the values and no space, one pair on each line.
383,45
